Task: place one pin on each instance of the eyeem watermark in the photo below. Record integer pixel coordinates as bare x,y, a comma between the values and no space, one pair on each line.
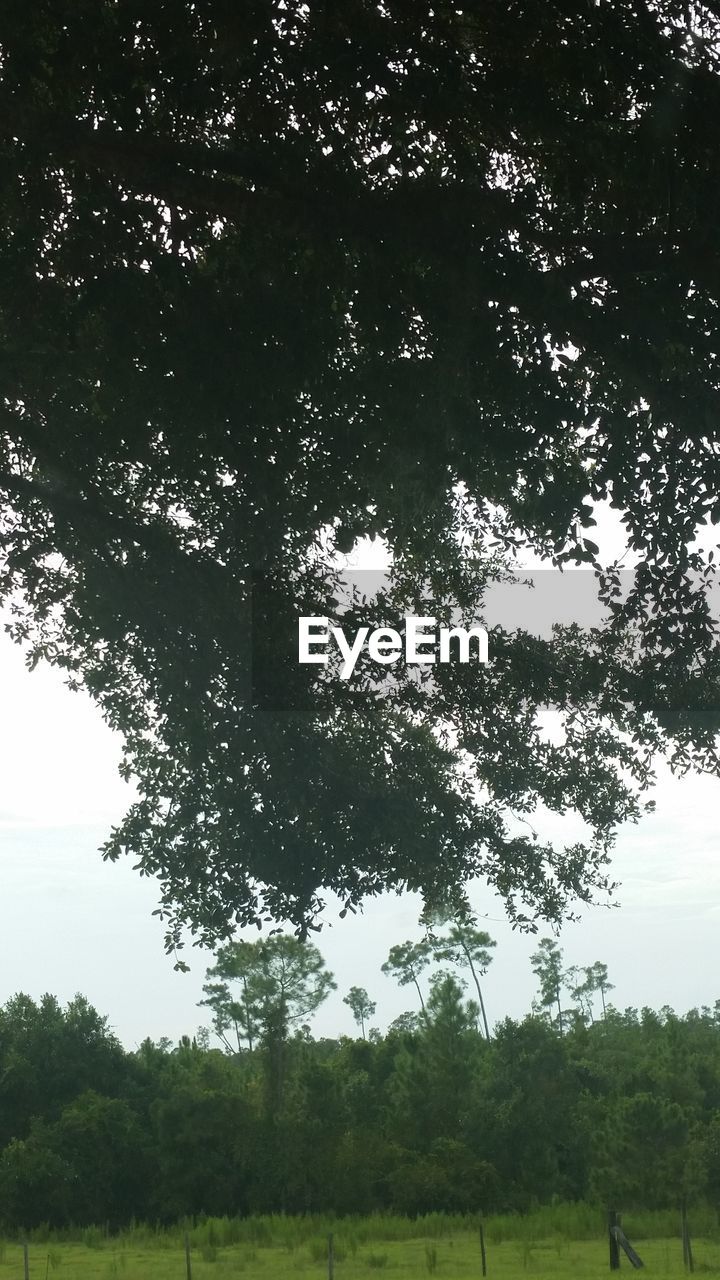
422,643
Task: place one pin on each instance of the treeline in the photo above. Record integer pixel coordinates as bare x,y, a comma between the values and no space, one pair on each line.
432,1115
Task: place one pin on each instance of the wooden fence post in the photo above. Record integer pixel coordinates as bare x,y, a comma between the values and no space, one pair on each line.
618,1235
331,1258
688,1260
482,1250
188,1264
612,1241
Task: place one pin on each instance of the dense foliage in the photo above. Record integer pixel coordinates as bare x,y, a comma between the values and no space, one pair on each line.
430,1116
280,275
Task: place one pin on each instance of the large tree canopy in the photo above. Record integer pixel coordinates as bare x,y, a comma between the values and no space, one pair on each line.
445,276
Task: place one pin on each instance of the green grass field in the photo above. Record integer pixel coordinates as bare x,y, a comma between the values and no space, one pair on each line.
538,1245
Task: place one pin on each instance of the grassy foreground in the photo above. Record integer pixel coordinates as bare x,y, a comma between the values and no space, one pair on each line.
561,1242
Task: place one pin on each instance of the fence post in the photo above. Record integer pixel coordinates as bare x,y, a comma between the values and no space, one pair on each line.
483,1257
688,1260
612,1241
331,1258
621,1239
26,1261
188,1264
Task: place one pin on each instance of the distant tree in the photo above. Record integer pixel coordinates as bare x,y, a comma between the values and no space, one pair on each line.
75,1039
405,1023
597,976
105,1143
281,981
360,1005
406,961
644,1154
465,946
235,1013
432,1085
580,992
524,1119
448,1177
588,982
547,964
708,1142
447,1009
35,1182
209,1139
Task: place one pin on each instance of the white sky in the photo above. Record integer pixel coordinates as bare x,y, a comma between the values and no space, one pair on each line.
69,922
